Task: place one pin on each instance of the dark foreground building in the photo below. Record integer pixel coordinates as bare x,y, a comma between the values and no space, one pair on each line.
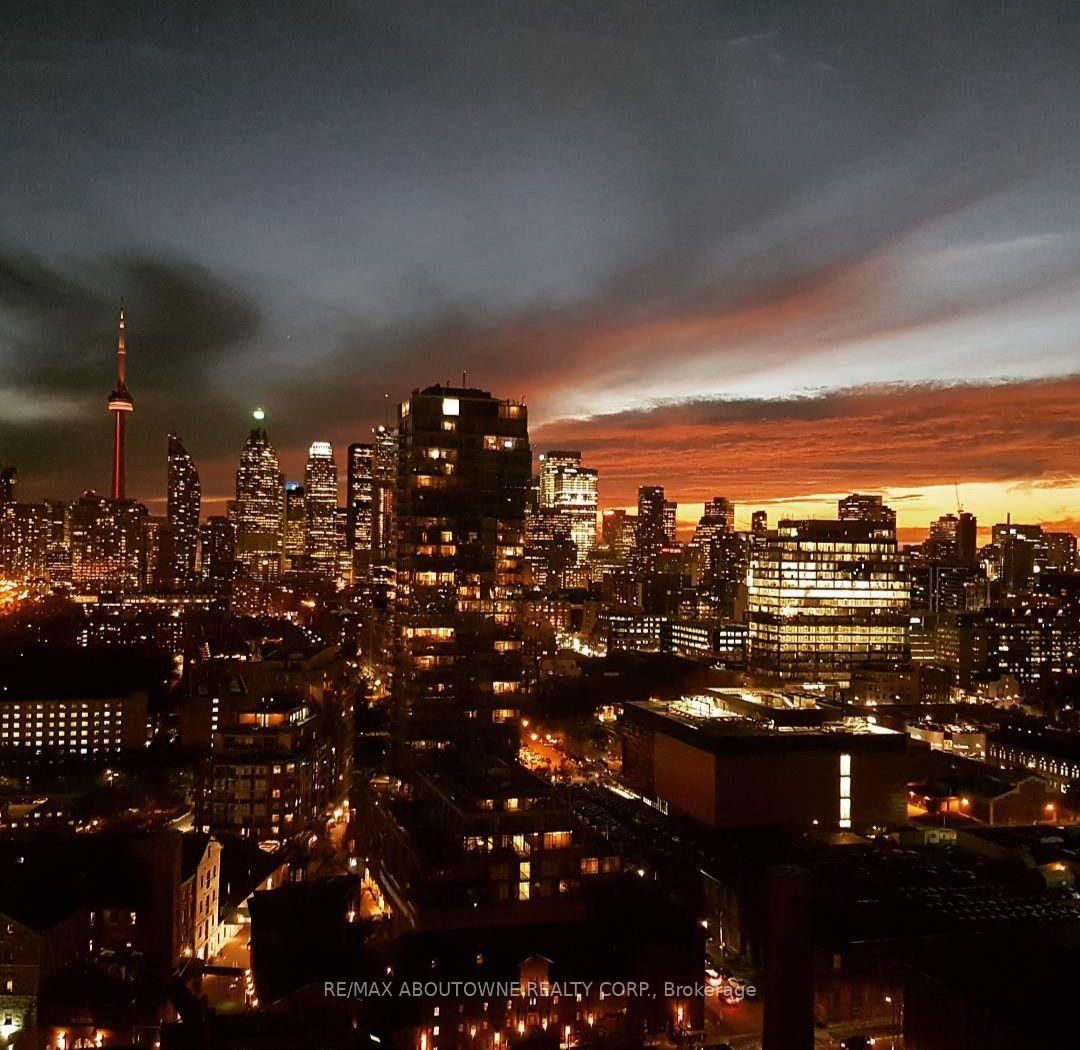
464,473
739,757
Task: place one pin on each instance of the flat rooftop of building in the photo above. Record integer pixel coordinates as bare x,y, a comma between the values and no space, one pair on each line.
942,773
446,390
472,783
723,723
832,529
1058,742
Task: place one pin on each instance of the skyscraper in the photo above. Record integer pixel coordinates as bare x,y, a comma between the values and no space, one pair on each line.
259,512
183,503
359,486
294,543
617,533
952,540
107,541
550,464
671,510
218,535
966,539
550,550
569,489
25,530
651,534
824,596
384,471
463,486
1021,552
717,516
320,506
120,404
862,507
8,477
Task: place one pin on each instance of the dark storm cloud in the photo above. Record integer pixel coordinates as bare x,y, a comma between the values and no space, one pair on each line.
61,324
603,206
875,438
58,331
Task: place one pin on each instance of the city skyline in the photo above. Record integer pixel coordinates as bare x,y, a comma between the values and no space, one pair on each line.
916,509
581,547
833,265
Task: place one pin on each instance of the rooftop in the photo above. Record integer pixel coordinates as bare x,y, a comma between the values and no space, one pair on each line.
719,717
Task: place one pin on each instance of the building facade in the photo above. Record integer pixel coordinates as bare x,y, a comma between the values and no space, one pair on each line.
824,596
320,509
183,502
463,483
259,508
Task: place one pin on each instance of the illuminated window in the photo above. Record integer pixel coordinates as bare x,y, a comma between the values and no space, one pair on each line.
845,791
451,406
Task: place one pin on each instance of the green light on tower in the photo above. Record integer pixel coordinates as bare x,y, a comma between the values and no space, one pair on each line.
258,415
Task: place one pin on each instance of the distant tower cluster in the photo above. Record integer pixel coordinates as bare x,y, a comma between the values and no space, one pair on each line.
120,404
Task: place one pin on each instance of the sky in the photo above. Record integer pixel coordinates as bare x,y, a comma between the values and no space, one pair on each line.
773,251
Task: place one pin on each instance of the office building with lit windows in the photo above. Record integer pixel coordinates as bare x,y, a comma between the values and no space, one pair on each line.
89,729
651,533
551,463
259,509
183,502
107,541
569,489
465,471
952,540
294,535
321,544
824,596
71,705
25,531
717,518
217,537
550,551
359,505
384,472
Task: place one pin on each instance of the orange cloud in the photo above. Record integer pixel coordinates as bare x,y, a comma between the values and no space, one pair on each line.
1021,437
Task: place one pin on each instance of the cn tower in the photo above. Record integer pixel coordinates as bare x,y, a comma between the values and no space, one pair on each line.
120,404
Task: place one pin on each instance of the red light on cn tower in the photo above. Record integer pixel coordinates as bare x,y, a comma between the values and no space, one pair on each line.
120,404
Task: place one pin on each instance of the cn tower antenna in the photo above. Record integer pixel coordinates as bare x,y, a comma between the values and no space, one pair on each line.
120,404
